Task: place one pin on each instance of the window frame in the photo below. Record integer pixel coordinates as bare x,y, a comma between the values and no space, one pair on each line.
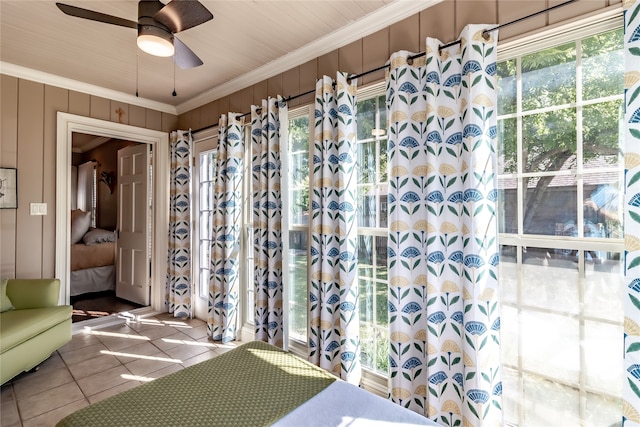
374,91
608,21
203,142
295,344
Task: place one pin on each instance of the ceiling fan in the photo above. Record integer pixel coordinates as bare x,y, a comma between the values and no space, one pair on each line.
157,25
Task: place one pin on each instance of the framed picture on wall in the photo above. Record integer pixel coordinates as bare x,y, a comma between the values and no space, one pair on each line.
8,188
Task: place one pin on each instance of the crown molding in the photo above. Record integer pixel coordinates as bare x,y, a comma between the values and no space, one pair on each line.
381,18
70,84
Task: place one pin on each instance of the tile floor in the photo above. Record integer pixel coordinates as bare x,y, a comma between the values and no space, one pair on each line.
99,363
99,304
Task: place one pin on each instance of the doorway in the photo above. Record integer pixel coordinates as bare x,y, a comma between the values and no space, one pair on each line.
96,197
69,124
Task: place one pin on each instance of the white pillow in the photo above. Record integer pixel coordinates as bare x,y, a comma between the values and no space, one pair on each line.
80,222
98,235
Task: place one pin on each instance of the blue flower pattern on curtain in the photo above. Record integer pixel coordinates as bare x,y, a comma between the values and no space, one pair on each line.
631,403
334,338
178,282
224,292
267,221
443,252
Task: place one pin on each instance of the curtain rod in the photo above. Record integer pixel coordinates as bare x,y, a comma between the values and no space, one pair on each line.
239,116
485,34
417,55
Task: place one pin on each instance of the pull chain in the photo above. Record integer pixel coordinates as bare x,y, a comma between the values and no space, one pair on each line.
174,77
137,60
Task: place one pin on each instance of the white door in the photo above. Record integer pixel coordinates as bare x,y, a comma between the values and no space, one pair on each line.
132,248
202,214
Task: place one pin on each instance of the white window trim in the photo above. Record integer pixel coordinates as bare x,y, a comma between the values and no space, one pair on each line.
601,21
294,345
607,20
201,137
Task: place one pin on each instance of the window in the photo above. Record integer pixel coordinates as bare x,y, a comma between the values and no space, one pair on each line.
202,214
246,239
205,166
372,228
206,174
205,153
560,166
560,174
298,220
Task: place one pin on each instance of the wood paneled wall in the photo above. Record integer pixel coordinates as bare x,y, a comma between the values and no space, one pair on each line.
443,21
28,120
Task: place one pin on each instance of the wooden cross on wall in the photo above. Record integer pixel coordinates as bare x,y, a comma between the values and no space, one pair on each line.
120,112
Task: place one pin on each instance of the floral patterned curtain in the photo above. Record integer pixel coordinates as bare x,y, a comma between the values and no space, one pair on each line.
267,220
224,293
443,251
631,404
178,283
334,339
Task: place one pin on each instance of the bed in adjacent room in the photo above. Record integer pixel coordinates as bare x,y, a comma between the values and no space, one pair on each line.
92,256
255,384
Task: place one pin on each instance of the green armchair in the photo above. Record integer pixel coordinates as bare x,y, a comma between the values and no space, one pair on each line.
35,327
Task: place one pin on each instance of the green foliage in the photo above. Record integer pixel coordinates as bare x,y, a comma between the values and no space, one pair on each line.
299,137
374,348
549,138
366,118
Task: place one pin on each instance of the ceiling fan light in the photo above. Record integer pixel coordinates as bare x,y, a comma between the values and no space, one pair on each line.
155,41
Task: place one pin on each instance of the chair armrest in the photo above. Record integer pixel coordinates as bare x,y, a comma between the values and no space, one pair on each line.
33,293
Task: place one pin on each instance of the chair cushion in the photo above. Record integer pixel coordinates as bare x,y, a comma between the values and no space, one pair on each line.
18,326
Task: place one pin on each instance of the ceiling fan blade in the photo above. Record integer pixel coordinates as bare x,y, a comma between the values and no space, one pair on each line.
180,15
95,16
183,56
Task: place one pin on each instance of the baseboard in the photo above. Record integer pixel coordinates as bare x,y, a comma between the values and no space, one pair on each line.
247,333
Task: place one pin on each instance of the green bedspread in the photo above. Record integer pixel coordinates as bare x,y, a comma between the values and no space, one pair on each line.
253,385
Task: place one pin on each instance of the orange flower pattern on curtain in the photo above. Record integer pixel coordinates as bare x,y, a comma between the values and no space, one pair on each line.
266,172
178,284
224,274
444,321
334,332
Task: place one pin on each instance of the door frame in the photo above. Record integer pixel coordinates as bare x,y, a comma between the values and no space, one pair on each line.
66,125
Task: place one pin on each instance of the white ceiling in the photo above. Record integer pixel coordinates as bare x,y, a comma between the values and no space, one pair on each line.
246,42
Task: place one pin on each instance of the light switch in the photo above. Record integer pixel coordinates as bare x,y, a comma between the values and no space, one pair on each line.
38,208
